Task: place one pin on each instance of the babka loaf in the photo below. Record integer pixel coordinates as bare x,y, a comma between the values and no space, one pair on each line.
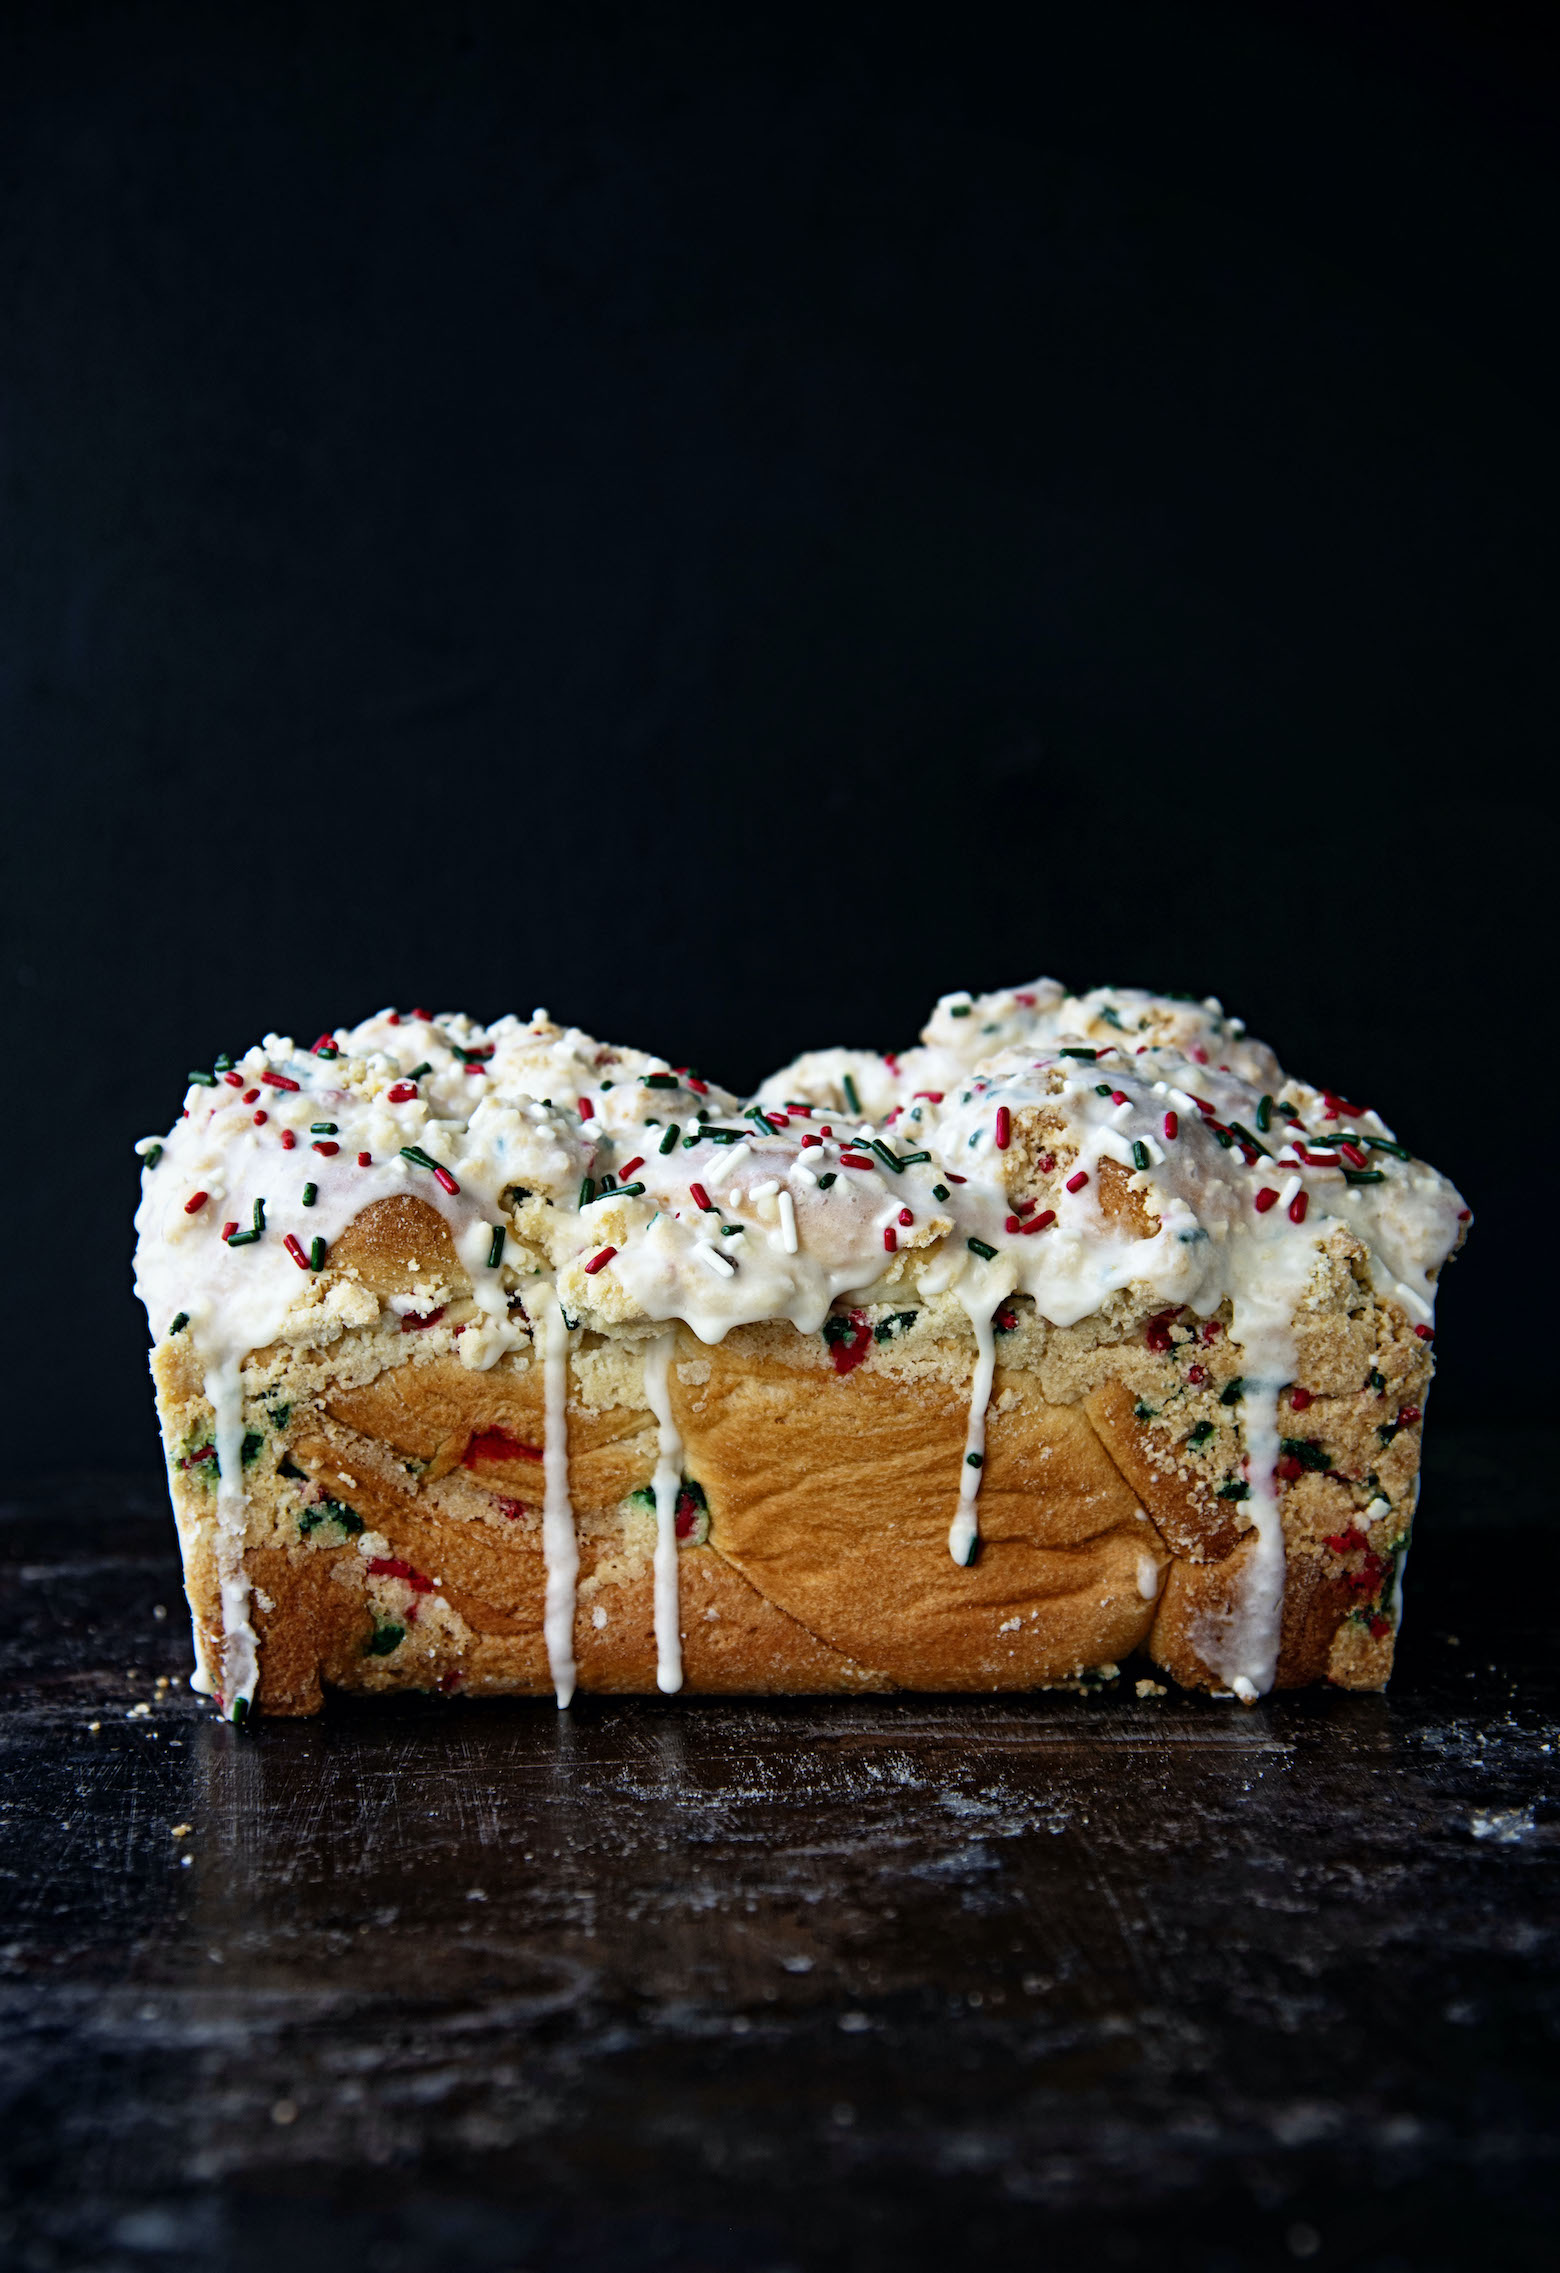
499,1359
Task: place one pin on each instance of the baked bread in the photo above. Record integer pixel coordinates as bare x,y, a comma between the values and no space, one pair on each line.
498,1359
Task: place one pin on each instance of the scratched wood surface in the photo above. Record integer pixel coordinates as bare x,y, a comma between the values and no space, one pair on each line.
870,1983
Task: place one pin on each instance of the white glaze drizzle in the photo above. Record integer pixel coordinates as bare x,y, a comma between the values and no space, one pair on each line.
964,1531
560,1548
668,1482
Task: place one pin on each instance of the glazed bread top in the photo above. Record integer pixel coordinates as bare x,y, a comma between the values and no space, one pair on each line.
1054,1145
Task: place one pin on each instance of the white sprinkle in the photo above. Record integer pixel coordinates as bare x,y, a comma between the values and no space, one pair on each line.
803,1175
722,1168
716,1263
764,1191
1120,1117
788,1223
1288,1190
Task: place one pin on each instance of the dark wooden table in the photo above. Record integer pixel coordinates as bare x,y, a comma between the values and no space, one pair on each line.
876,1983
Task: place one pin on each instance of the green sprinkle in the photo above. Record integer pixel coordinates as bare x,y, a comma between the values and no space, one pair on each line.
316,1254
496,1250
661,1081
1377,1144
900,1322
587,1191
311,1193
1233,1391
1246,1137
1090,1055
1307,1451
151,1156
888,1158
383,1640
939,1191
974,1460
1378,1382
1102,1089
960,1009
323,1128
417,1157
1265,1114
240,1712
851,1099
1234,1492
1201,1433
250,1448
1364,1176
972,1551
206,1080
278,1415
979,1247
180,1323
763,1120
1223,1135
669,1141
690,1141
1140,1157
1110,1018
727,1230
243,1239
259,1219
910,1159
224,1064
616,1192
418,1071
729,1136
1142,1412
825,1181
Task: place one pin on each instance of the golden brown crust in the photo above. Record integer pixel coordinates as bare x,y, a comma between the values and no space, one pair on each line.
1195,1524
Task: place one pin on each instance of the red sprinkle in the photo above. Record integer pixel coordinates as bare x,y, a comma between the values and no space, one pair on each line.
701,1198
512,1510
1290,1468
1118,1096
699,1088
948,1172
1265,1199
855,1160
423,1015
890,1237
1380,1627
418,1321
325,1042
1004,1128
1425,1333
288,1140
932,1096
783,1120
228,1229
906,1216
848,1355
1407,1415
599,1262
811,1139
195,1203
251,1096
1039,1222
1465,1215
1211,1331
824,1129
629,1166
587,1109
402,1093
1199,1053
394,1018
365,1160
1156,1331
1339,1108
296,1252
278,1081
1352,1154
328,1146
1047,1163
1011,1223
234,1080
498,1444
391,1566
445,1181
261,1119
1298,1206
1076,1183
1197,1375
1300,1398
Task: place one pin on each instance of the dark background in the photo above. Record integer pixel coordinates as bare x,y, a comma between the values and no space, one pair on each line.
728,523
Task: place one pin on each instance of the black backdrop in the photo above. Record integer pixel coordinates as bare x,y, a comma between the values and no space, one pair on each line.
728,523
